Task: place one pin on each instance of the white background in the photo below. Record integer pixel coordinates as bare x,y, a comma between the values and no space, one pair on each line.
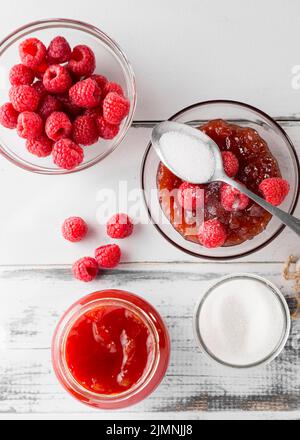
182,53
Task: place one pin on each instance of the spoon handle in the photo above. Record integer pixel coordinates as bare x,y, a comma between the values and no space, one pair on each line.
287,219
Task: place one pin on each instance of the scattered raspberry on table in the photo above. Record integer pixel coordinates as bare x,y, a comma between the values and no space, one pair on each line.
74,229
120,226
86,269
108,257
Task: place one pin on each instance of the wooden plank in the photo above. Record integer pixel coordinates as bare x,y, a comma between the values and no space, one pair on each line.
34,208
33,298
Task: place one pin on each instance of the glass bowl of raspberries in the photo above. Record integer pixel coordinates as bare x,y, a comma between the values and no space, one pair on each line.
215,221
67,97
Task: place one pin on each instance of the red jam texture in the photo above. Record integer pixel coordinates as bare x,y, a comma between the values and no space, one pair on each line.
109,350
256,164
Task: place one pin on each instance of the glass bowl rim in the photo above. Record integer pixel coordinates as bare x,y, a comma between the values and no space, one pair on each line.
88,28
285,311
293,154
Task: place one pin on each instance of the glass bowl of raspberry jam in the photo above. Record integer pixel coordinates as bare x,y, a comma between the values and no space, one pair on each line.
264,151
111,62
111,350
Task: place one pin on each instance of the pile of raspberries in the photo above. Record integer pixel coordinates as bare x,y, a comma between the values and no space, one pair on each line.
57,103
75,229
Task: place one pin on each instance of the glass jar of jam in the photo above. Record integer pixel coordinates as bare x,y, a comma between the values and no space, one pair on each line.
111,350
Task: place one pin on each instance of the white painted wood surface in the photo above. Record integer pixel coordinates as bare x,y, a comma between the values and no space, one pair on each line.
182,52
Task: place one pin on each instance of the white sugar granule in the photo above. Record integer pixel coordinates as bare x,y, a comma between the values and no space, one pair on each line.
242,322
188,156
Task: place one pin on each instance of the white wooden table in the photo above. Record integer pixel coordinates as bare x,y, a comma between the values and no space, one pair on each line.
182,52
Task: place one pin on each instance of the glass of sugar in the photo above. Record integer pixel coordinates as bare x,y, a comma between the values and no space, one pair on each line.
242,322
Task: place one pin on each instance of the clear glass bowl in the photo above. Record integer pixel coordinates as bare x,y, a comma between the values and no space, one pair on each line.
280,146
111,62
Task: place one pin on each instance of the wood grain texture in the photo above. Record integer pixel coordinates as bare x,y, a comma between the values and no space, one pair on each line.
33,298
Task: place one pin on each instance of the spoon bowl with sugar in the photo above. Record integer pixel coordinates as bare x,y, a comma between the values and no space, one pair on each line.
200,162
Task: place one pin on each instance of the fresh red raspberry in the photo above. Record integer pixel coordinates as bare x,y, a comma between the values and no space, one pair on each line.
30,125
85,131
100,80
59,51
74,229
86,94
108,257
58,126
120,226
86,269
212,234
40,147
191,197
115,108
112,87
67,155
83,61
40,89
21,75
72,110
231,163
232,199
32,52
48,105
24,98
8,116
107,131
94,112
40,71
275,190
57,79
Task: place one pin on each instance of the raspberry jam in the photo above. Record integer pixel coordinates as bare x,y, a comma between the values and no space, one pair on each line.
256,164
111,350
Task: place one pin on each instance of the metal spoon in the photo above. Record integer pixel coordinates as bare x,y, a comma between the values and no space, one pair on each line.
219,174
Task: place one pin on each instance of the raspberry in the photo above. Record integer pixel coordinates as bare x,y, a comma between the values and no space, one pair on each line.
57,79
86,269
275,190
71,109
67,155
86,94
30,125
231,163
115,108
232,199
59,51
21,75
40,147
191,197
107,131
32,52
94,112
100,80
8,116
112,87
74,229
85,131
212,234
40,89
24,98
120,226
58,126
83,61
48,105
40,71
108,257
